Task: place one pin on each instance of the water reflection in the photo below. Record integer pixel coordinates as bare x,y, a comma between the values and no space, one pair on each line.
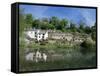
35,55
56,58
44,55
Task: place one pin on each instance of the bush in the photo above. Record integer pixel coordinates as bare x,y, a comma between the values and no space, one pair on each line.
88,43
93,35
42,43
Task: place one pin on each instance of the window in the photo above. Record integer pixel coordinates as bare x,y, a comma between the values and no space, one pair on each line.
35,35
42,36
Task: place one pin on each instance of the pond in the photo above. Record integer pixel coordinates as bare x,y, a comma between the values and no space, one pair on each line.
33,59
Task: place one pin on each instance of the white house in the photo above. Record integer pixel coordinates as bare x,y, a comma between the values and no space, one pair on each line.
36,34
41,35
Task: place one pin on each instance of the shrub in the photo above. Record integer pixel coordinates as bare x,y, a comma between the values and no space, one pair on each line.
88,43
93,35
42,43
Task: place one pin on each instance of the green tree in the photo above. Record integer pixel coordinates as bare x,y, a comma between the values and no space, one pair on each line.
93,30
81,27
63,23
44,25
54,21
29,20
36,24
93,35
50,26
73,27
21,21
87,30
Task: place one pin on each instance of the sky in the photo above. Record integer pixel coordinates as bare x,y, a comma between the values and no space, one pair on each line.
87,15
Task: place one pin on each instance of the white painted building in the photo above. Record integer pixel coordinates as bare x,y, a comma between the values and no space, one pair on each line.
36,34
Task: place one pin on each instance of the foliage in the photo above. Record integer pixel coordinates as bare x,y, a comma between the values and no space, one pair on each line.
62,24
87,30
93,30
93,35
81,25
88,43
73,27
54,23
29,19
50,26
21,20
36,23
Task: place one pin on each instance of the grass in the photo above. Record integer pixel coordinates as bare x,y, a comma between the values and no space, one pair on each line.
50,45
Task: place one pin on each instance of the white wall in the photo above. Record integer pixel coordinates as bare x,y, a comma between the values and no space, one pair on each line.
5,25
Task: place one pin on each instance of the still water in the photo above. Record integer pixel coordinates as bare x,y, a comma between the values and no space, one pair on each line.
43,59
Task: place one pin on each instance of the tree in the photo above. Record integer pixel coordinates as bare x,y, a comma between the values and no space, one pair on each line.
73,27
87,30
81,27
93,30
29,20
44,25
21,20
54,21
36,24
93,35
63,24
50,26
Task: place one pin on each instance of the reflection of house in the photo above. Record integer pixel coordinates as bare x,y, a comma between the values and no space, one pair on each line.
36,56
36,34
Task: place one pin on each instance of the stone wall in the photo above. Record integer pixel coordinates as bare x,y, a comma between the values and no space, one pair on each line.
76,37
